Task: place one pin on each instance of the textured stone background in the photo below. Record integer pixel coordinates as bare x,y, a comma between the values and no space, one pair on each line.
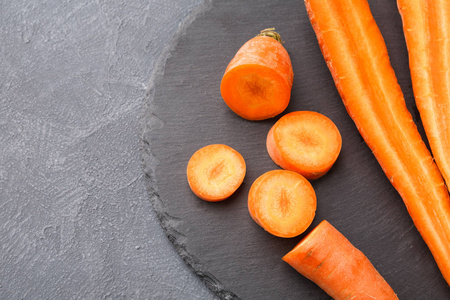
75,220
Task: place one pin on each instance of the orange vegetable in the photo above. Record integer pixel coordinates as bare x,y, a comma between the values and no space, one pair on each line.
282,202
328,259
357,57
258,80
426,27
215,172
305,142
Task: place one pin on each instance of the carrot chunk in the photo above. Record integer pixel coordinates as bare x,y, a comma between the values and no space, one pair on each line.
282,202
357,57
257,82
306,142
215,172
328,259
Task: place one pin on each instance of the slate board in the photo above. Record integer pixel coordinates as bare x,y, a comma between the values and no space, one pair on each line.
219,241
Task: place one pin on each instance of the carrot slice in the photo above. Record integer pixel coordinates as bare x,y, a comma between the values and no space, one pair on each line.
282,202
257,82
357,57
426,25
328,259
306,142
215,172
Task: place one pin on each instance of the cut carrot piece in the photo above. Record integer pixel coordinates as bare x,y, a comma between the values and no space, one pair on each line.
306,142
257,82
282,202
328,259
357,57
426,25
215,172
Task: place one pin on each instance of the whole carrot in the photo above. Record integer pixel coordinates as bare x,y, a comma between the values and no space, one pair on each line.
357,57
328,259
426,25
258,80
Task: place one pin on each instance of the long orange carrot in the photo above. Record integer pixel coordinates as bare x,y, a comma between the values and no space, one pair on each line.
306,142
357,57
258,80
327,258
426,27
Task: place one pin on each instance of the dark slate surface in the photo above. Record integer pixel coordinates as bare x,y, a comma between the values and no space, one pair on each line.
219,241
75,219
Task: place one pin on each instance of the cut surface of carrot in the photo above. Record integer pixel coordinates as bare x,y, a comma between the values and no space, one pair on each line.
426,26
258,80
327,258
215,172
356,55
282,202
306,142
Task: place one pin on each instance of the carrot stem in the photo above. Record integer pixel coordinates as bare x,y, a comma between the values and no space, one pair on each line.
357,57
270,32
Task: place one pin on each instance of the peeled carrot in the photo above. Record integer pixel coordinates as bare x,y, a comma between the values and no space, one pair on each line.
328,259
282,202
257,82
357,57
426,27
215,172
306,142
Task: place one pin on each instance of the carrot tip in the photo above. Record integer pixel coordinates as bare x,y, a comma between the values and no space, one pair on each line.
327,258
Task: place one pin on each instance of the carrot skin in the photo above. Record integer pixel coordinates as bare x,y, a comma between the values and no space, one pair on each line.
328,259
357,57
426,26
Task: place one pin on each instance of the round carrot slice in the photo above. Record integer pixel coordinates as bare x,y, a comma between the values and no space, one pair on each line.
282,202
215,172
258,80
306,142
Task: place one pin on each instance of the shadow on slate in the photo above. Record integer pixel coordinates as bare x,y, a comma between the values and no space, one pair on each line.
219,241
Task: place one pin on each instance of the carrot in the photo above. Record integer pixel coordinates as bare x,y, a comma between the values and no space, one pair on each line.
306,142
215,172
426,27
328,259
357,57
257,82
282,202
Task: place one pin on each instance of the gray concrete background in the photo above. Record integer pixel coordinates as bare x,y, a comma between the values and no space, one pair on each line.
75,220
